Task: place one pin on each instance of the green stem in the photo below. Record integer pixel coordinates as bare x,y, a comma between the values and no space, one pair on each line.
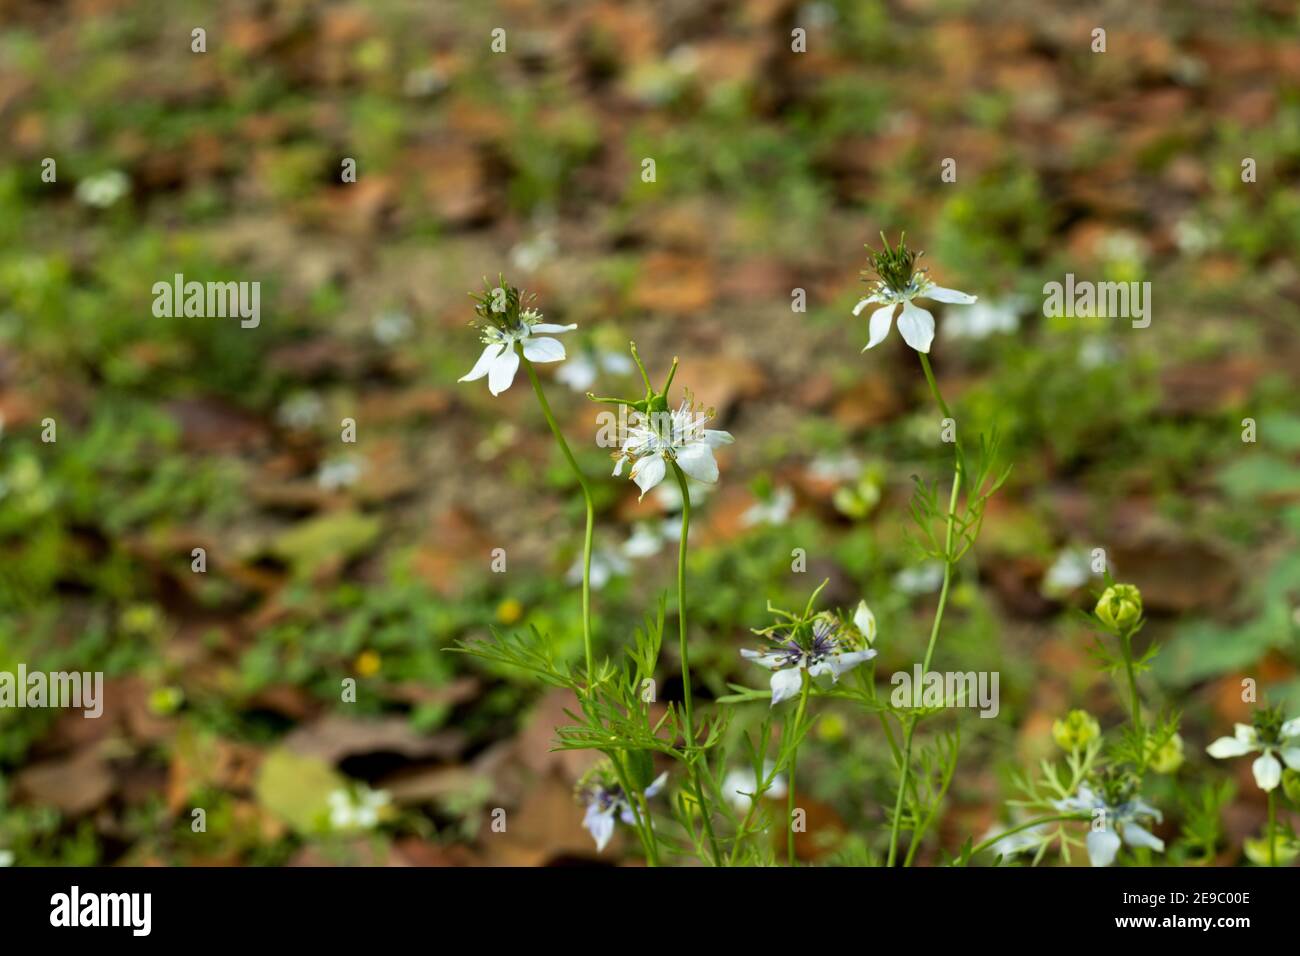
1272,827
794,758
1135,700
906,768
980,847
591,510
647,841
684,651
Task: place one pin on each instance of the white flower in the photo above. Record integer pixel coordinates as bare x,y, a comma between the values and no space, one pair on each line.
739,785
104,189
500,360
643,542
605,565
338,473
605,803
984,319
1114,825
923,579
654,440
827,652
1267,768
775,510
580,373
6,857
1072,569
915,324
356,812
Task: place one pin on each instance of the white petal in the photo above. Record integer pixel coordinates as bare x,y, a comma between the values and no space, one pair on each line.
485,360
1268,772
1228,747
551,329
657,785
698,462
940,294
1291,755
600,825
839,663
1291,728
543,350
1102,847
1246,734
916,326
869,300
786,683
1135,835
618,466
865,622
762,659
648,472
715,438
878,326
502,372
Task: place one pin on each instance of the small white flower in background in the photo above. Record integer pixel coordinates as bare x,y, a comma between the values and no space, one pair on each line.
643,542
1094,352
983,319
739,784
1121,822
669,498
606,803
6,857
579,373
827,649
1269,736
774,510
338,473
505,323
924,578
605,565
391,327
104,189
357,811
1071,570
531,254
898,282
653,440
301,410
835,467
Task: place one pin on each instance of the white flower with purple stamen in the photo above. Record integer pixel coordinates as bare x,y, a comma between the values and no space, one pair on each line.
826,650
606,802
506,328
1113,824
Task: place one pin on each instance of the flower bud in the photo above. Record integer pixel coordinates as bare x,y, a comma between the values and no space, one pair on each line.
1076,731
1165,759
1120,608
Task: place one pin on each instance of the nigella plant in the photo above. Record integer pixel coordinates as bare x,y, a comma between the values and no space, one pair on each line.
613,713
946,532
801,647
1271,736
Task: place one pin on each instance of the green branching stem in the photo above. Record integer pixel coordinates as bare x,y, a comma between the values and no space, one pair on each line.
591,511
693,760
794,757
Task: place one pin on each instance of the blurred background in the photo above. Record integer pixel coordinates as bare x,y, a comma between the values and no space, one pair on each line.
328,560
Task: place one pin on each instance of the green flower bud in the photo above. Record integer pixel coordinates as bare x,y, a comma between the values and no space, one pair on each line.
1120,608
1076,731
1165,759
1291,784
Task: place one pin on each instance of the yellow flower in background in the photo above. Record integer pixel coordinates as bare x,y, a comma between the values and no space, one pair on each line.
368,663
1076,731
1168,758
510,611
831,728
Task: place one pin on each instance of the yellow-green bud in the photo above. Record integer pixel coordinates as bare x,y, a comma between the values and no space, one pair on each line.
1165,759
1120,607
1076,731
